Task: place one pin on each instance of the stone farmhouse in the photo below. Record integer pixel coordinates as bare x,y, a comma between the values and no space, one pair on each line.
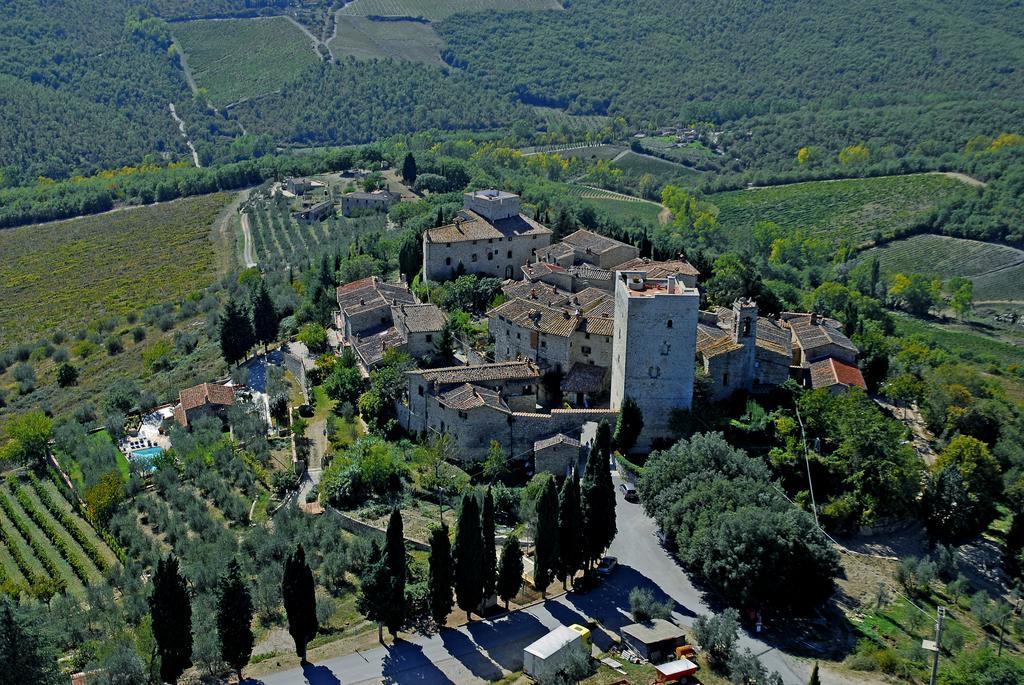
374,316
587,247
299,186
363,203
476,404
205,399
489,237
824,356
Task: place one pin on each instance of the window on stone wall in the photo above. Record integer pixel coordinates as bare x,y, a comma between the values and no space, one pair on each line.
447,261
490,256
419,390
510,253
586,350
474,258
725,378
430,338
669,325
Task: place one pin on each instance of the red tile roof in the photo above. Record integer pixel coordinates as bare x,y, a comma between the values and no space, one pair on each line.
831,371
206,393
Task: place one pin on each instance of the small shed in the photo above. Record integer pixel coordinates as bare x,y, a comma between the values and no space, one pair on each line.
675,671
556,454
655,640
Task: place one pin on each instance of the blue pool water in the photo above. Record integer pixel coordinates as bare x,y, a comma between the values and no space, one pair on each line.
145,457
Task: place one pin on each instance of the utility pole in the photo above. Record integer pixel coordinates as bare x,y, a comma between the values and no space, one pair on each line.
807,462
938,645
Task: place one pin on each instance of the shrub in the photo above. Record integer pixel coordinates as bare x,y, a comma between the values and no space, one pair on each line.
67,375
644,607
25,375
138,334
61,355
114,345
84,348
313,336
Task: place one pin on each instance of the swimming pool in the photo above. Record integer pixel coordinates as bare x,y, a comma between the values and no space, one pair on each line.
145,457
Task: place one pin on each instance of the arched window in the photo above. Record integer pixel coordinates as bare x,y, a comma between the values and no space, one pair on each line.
746,327
669,325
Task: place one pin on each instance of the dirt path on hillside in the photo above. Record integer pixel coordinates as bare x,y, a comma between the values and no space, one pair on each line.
963,178
184,134
313,39
248,253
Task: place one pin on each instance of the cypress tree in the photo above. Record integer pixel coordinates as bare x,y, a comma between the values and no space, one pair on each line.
439,575
394,559
299,593
570,552
409,172
236,335
375,588
488,569
26,655
171,610
510,570
597,499
439,221
467,553
628,425
234,619
546,543
264,316
815,678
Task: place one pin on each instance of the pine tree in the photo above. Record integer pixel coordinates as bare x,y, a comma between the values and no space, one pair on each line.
299,593
815,679
264,316
439,575
26,656
236,336
570,542
234,619
510,570
545,562
467,553
488,569
375,588
171,610
394,560
409,172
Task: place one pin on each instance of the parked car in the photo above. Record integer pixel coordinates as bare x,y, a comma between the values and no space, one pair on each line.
607,565
629,492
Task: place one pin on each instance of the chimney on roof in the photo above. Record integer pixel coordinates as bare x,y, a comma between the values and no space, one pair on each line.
565,315
814,318
533,293
362,301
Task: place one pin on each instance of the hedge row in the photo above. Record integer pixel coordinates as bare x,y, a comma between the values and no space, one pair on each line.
48,563
53,533
69,523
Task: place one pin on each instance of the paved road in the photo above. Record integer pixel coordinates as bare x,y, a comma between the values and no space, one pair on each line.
484,651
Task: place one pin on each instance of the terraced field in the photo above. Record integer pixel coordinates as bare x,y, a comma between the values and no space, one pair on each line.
64,274
625,211
848,209
436,10
44,543
633,163
364,38
996,270
234,59
591,152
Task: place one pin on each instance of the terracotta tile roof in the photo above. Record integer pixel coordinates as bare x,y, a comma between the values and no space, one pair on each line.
535,271
559,439
708,335
830,371
584,378
555,252
419,318
589,272
371,293
472,226
773,337
658,269
588,242
510,370
468,397
371,347
544,292
206,393
598,325
720,346
811,333
534,316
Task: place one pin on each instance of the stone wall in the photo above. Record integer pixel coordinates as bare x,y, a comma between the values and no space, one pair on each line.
498,257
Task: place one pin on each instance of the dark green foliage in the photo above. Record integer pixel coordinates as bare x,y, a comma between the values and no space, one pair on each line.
25,653
732,527
299,594
467,554
67,375
234,618
628,425
510,570
236,334
395,562
440,578
570,539
171,609
546,538
814,680
409,169
717,635
264,316
346,383
375,589
597,500
643,607
488,566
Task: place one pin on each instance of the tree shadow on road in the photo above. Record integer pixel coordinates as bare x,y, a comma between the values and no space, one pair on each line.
406,663
319,675
609,602
469,655
493,637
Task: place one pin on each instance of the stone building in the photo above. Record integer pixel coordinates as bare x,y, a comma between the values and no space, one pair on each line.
587,247
581,276
364,203
476,404
302,185
489,237
556,455
318,212
653,348
420,326
205,399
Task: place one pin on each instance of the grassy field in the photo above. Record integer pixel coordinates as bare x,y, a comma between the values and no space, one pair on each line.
996,270
555,118
625,211
632,163
849,209
237,58
691,153
594,152
364,38
436,10
65,274
980,345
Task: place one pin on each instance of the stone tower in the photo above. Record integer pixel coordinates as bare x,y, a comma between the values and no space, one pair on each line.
654,348
744,332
